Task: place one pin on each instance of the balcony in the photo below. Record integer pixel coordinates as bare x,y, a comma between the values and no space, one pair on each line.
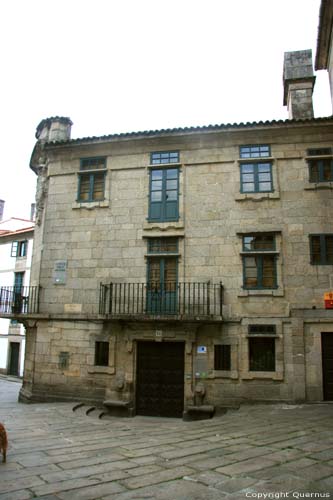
172,300
19,300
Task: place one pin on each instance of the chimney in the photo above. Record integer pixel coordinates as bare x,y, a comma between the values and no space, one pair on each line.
2,206
298,83
55,129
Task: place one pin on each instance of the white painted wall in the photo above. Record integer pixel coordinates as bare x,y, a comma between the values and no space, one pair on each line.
8,266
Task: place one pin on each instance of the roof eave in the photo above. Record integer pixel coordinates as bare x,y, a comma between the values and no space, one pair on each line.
324,34
188,131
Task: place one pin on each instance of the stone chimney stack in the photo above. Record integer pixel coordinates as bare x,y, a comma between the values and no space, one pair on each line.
55,129
2,206
298,83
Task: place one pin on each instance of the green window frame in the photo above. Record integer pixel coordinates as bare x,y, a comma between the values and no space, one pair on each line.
320,170
321,249
259,261
164,195
101,353
222,357
163,245
92,180
163,157
19,248
255,151
256,177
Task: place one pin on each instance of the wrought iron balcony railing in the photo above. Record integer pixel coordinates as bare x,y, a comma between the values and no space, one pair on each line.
158,299
19,299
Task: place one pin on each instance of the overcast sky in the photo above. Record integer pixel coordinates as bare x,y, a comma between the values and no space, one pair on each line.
128,65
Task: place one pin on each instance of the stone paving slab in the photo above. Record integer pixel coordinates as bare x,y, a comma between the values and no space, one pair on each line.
57,454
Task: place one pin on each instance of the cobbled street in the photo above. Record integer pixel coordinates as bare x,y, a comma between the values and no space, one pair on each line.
258,451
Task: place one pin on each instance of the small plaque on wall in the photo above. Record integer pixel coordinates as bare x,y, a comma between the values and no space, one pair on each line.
59,272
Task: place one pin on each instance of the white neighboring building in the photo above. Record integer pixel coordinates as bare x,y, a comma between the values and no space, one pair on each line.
16,242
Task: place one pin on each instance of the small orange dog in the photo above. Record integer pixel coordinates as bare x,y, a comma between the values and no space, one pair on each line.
3,442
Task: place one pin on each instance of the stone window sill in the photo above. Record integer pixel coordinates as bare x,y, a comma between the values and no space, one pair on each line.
263,375
279,292
163,226
257,196
232,374
102,370
91,204
318,185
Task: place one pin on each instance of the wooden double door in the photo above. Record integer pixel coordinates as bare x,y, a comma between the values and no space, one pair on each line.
160,379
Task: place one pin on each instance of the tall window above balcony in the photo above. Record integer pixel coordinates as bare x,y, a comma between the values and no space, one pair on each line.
164,194
259,261
92,180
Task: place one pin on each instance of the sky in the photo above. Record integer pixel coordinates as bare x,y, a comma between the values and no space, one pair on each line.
117,66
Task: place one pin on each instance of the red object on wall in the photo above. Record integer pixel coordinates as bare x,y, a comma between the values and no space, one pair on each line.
328,300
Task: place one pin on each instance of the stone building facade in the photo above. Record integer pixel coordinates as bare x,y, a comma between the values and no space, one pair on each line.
180,271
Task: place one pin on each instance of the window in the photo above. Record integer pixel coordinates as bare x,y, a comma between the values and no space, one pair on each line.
92,179
163,203
321,165
164,157
255,151
163,245
19,248
162,276
18,281
259,261
101,353
222,357
262,330
256,178
262,354
321,249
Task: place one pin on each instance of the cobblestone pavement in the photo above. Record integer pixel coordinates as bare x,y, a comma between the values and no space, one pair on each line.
262,451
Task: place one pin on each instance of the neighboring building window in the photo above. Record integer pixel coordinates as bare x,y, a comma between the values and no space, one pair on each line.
92,179
321,167
255,151
163,201
259,261
101,353
19,248
18,281
321,249
222,357
164,157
